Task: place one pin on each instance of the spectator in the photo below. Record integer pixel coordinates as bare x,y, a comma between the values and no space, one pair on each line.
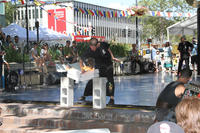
158,61
174,63
165,127
74,52
59,54
184,48
45,55
134,59
35,56
171,96
8,41
18,45
153,54
67,52
2,37
168,56
188,114
194,54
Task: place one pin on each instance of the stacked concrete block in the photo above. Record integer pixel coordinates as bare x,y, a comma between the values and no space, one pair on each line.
99,93
67,92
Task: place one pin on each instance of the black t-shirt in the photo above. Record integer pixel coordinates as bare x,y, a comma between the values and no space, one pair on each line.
168,95
101,56
184,47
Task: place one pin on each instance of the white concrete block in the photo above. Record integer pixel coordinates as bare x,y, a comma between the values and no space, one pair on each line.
99,93
67,92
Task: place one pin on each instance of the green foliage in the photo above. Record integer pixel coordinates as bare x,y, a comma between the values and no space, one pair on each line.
120,50
155,27
9,12
82,47
13,55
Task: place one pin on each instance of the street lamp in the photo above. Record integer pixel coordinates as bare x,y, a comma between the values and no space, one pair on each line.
196,3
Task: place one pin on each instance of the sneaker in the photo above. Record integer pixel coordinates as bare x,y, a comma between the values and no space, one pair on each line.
111,102
82,98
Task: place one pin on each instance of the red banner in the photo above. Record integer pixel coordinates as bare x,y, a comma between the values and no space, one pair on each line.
51,20
60,16
82,38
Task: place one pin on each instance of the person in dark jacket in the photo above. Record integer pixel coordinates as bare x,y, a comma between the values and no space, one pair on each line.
103,57
184,48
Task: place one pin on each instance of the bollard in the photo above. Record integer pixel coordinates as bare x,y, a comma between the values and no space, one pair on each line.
67,92
99,93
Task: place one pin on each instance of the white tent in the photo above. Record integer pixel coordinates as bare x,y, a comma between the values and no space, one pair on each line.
16,30
48,34
44,33
186,27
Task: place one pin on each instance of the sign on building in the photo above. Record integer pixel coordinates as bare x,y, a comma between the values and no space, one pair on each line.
57,20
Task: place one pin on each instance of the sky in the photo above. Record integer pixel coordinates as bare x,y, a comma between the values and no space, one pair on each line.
117,4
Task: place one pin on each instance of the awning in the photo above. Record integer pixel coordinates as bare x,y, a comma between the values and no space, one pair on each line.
186,27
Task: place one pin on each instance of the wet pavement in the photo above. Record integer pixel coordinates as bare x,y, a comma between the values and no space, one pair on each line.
140,90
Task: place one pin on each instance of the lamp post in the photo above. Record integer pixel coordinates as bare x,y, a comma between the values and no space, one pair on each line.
27,35
136,24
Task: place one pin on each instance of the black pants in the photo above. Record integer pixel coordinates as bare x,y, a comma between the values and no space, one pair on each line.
110,86
134,65
181,63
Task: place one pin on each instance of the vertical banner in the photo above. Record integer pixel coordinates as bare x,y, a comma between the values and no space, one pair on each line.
57,20
51,20
60,20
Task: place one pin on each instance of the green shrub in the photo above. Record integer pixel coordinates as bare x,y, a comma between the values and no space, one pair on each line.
13,55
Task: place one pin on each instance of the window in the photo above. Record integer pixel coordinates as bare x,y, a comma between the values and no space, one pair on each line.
129,32
19,15
36,13
29,14
40,13
22,14
33,12
15,16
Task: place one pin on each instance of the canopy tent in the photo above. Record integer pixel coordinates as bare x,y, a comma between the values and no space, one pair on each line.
16,30
48,34
186,27
44,33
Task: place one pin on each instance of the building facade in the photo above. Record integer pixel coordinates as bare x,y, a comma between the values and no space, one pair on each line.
63,18
2,14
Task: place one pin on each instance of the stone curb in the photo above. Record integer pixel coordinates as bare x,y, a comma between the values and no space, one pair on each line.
81,113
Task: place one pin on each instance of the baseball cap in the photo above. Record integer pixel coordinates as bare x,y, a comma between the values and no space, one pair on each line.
165,127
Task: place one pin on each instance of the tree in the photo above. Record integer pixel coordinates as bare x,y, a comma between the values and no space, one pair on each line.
9,12
155,27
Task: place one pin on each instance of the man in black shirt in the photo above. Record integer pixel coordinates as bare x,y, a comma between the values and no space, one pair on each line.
171,95
103,61
184,48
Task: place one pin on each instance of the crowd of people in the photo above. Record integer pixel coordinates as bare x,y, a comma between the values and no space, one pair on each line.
167,61
170,105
